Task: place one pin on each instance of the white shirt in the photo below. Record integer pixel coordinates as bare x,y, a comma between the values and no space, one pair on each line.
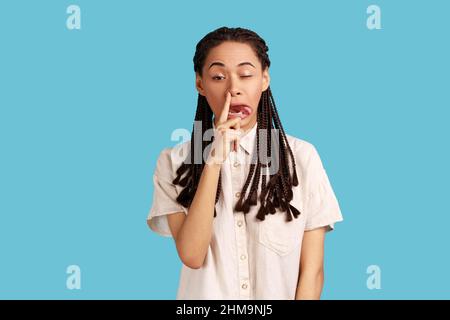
248,258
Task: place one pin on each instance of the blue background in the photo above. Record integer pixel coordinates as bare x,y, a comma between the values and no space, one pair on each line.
85,113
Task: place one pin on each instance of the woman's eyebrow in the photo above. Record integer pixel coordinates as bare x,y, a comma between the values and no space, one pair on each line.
223,65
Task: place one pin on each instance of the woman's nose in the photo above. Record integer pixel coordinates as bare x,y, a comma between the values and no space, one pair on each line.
234,87
234,92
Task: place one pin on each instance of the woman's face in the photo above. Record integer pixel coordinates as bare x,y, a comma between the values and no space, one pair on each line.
234,67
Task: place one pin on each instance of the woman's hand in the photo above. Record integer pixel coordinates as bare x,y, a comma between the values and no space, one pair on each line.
226,135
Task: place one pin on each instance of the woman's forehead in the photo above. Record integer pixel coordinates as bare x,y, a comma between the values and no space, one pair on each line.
231,55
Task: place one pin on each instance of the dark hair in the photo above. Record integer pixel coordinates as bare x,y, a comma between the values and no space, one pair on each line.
277,192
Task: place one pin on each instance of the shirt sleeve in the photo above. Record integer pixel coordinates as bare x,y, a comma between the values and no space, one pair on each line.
322,207
164,195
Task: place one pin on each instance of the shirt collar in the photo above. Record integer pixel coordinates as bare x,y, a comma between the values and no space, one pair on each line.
247,141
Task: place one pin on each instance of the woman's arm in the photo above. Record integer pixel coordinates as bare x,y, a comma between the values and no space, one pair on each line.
192,232
310,283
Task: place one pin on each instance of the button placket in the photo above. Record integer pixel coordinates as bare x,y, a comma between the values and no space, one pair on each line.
240,230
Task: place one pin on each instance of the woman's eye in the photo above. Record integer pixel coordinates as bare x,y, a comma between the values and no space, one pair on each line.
222,77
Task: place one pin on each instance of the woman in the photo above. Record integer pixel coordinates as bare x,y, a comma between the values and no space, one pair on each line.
249,211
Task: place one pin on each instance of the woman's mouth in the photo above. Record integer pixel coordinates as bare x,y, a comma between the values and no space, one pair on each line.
239,110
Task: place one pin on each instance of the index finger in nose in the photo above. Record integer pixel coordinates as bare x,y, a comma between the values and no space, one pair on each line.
226,108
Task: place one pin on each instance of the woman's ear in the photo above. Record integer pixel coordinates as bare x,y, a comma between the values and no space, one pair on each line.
199,84
265,79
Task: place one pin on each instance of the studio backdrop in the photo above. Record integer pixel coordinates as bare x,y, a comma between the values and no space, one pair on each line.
92,91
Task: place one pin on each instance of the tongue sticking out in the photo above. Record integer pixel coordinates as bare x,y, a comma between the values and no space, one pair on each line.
239,111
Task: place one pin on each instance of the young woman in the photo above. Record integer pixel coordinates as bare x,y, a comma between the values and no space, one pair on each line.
248,211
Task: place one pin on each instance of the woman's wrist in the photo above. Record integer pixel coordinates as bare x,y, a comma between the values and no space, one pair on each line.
212,165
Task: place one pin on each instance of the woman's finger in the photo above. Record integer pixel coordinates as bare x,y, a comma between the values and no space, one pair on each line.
230,123
226,108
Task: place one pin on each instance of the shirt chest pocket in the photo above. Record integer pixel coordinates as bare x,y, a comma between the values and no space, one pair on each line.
278,234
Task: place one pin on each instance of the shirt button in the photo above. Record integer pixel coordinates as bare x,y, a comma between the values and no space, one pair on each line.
244,286
238,194
243,257
239,223
236,164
